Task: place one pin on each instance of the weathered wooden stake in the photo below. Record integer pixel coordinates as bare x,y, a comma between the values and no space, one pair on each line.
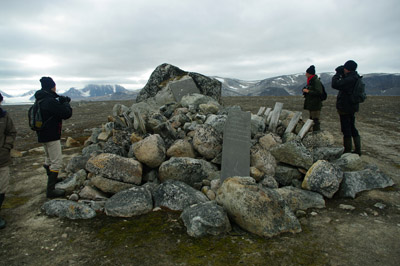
305,128
275,117
293,122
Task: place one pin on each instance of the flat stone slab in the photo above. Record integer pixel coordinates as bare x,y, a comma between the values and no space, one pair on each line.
236,145
183,87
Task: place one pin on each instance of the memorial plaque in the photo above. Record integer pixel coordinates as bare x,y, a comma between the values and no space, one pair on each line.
183,87
236,145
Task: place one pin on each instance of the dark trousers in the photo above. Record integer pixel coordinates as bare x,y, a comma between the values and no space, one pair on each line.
348,125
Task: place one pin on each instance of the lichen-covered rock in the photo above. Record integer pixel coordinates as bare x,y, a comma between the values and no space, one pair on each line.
195,100
284,174
116,167
206,218
293,153
77,163
319,139
324,178
367,179
257,124
209,108
92,193
261,211
68,209
299,199
350,162
269,141
187,170
130,202
217,122
73,182
176,195
262,160
207,141
109,185
181,148
327,153
150,151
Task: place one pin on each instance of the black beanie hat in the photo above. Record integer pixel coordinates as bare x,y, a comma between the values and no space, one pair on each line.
47,83
311,70
350,65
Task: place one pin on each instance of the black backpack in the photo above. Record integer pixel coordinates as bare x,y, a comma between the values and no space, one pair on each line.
324,95
358,94
35,118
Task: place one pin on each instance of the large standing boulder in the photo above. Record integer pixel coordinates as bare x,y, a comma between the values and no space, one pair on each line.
187,170
324,178
205,218
207,141
130,202
150,151
261,211
68,209
367,179
166,72
116,167
176,195
293,153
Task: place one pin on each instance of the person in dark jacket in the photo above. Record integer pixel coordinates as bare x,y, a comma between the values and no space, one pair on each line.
344,81
54,109
312,94
7,139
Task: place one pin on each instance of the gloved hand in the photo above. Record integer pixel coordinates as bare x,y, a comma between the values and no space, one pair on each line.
64,99
340,70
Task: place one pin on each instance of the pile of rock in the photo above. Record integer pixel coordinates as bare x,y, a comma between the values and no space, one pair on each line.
166,153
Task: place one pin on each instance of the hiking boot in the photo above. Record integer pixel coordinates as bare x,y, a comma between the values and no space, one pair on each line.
47,167
357,145
347,143
51,191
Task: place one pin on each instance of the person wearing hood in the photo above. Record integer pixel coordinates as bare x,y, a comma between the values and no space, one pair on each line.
54,109
7,139
312,94
344,81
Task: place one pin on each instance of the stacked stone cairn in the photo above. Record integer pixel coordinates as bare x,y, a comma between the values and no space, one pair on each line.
161,153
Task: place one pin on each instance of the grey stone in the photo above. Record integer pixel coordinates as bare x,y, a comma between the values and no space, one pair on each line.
299,199
262,160
207,141
187,170
130,202
181,148
150,151
92,193
194,100
206,218
269,182
261,211
73,182
324,178
87,151
116,167
68,209
109,185
209,108
176,195
257,124
119,109
293,153
318,139
350,162
217,122
327,153
284,174
76,163
367,179
236,145
269,141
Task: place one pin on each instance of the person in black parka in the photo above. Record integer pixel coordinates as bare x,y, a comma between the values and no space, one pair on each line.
312,94
54,109
344,81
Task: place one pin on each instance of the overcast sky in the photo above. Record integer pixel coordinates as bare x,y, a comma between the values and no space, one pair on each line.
122,41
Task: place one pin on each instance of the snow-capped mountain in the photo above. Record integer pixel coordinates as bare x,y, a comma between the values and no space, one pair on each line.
376,84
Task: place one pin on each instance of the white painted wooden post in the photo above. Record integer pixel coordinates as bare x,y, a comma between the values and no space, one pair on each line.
293,122
305,128
275,117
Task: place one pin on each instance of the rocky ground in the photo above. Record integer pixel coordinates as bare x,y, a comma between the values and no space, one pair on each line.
367,235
